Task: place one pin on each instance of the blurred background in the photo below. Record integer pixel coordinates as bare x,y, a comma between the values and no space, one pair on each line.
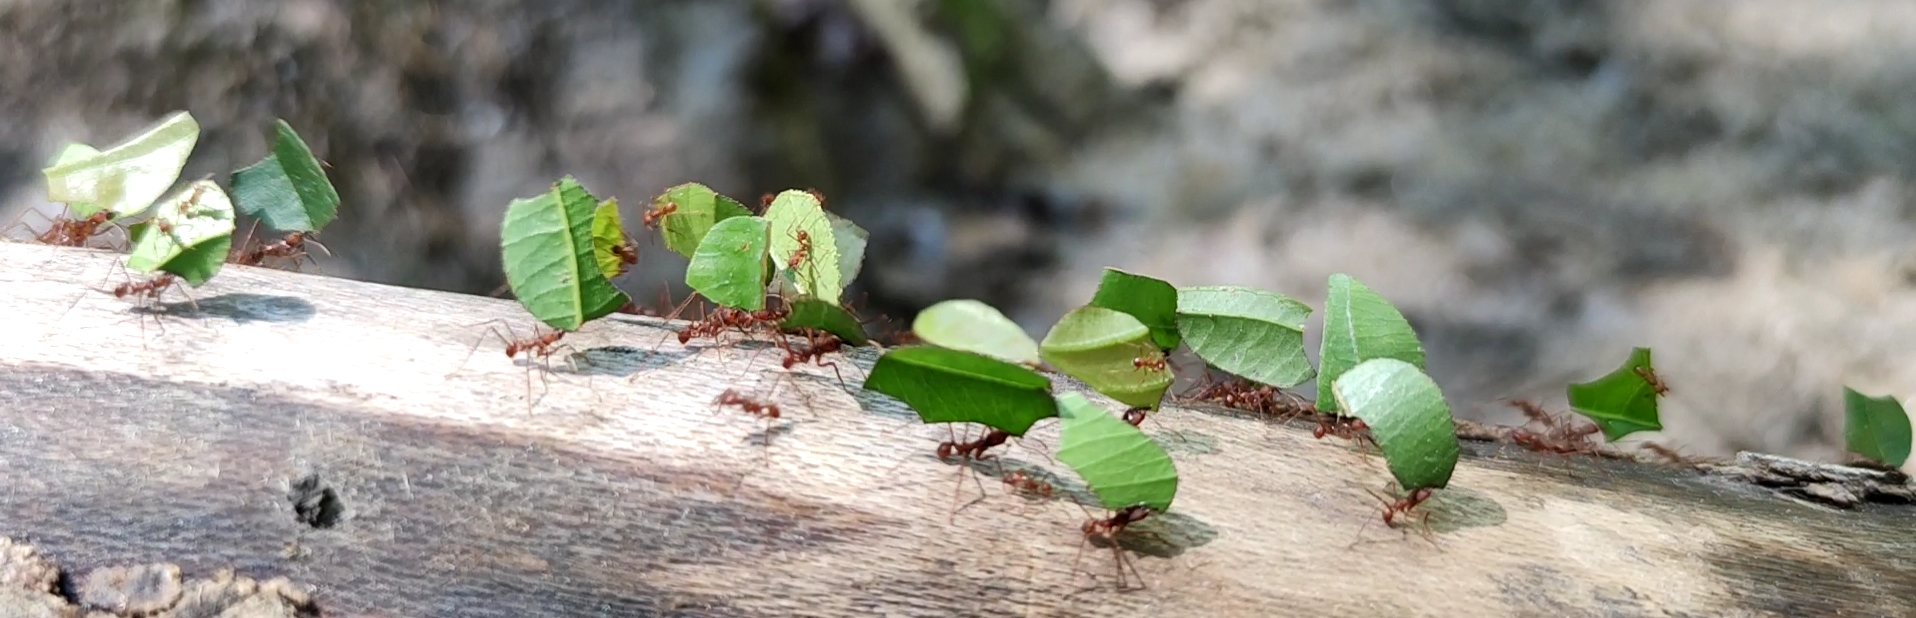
1539,185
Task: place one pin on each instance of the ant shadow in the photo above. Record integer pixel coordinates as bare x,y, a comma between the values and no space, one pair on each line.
241,308
1456,508
616,360
880,404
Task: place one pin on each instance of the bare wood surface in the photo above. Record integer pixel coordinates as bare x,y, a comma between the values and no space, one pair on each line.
623,491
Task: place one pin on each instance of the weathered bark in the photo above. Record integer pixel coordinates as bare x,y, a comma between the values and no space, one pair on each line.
623,491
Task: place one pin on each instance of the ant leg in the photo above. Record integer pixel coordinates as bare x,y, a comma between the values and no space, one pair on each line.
475,345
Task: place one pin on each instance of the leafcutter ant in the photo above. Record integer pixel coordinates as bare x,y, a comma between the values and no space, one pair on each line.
539,345
651,218
804,249
1135,416
1400,507
1106,531
290,247
1657,384
755,407
1554,434
1024,483
818,345
968,453
1151,358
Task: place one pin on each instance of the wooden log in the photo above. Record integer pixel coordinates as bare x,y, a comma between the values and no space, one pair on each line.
336,433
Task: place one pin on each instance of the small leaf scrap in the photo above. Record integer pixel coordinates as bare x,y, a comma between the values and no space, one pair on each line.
694,208
729,267
1152,301
608,234
1119,463
1621,402
798,214
200,215
825,316
955,386
1407,416
1102,346
126,178
1360,325
546,244
973,326
1250,333
1876,427
288,190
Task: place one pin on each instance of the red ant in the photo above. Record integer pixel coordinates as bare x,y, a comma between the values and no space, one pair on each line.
73,233
1135,416
1021,481
539,345
1403,505
1151,361
765,202
1649,375
1557,436
804,249
750,406
969,452
651,218
292,247
821,344
1239,394
150,288
1106,531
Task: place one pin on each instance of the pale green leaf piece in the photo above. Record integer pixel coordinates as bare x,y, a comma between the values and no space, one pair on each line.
546,243
1121,465
1407,416
973,326
127,178
1621,402
797,215
197,215
1250,333
729,266
608,233
693,209
288,190
1876,428
75,151
852,240
1104,347
1359,325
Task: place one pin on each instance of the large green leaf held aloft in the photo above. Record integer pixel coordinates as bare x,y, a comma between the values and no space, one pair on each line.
1621,402
546,242
690,210
1152,301
954,386
730,265
799,224
1250,333
1407,416
1119,463
126,178
1359,325
1107,348
288,190
973,326
188,236
1876,427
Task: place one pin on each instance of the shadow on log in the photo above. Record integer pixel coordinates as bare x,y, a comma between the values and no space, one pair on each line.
326,431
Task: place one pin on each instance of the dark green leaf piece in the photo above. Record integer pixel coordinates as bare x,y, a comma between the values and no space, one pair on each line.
1250,333
828,317
1621,402
1152,301
729,267
1407,416
1119,463
973,325
1359,325
696,208
288,190
198,215
546,244
955,386
1101,347
1876,427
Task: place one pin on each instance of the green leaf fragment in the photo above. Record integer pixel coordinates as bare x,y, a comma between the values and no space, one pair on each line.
1152,301
1621,402
1119,463
1407,416
546,243
608,233
1876,427
1359,325
287,190
127,178
695,209
798,214
973,326
198,215
1101,346
955,386
729,266
825,316
851,240
1250,333
75,151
